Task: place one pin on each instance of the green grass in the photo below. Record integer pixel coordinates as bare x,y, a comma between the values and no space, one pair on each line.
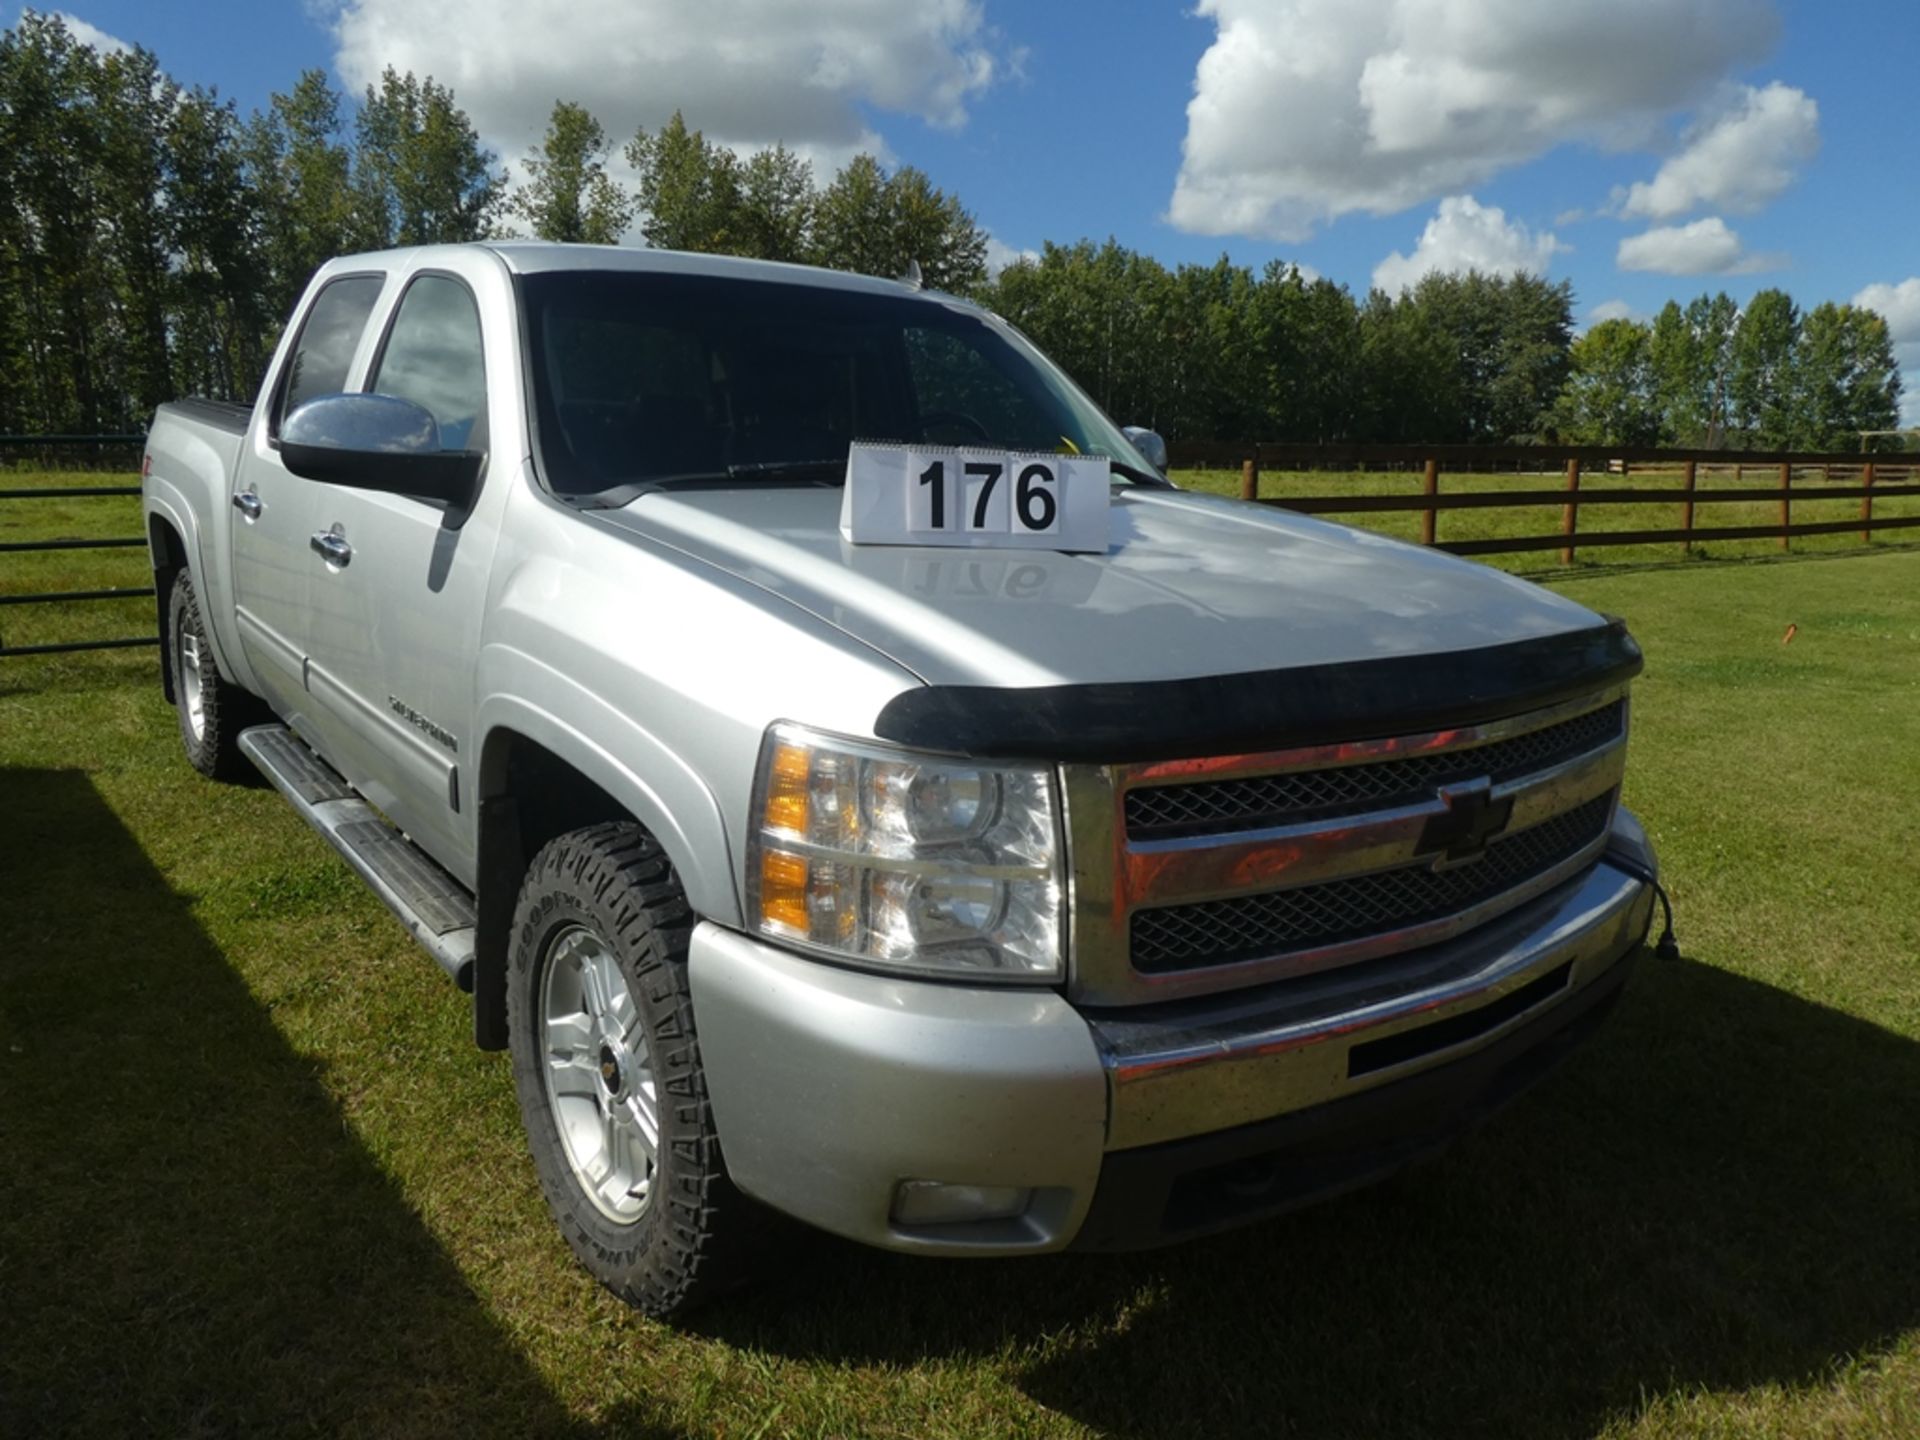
253,1176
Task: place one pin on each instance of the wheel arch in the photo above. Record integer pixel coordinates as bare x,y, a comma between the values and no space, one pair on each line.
538,780
169,553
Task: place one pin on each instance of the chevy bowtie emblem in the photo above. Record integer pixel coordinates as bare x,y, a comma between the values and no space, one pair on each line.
1461,832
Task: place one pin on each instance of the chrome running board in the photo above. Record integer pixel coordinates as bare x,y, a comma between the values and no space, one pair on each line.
433,906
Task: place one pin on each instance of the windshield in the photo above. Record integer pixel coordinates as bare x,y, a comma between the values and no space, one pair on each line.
649,377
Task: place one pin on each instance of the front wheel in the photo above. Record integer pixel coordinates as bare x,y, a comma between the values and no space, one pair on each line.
607,1066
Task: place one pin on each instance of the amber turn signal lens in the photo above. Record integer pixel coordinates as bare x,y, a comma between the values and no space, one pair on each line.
787,790
783,890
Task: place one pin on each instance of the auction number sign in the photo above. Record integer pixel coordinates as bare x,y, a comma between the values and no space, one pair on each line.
942,495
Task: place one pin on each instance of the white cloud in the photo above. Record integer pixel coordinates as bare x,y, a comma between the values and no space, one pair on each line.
1304,110
92,35
1703,247
1610,310
746,72
1000,254
1466,235
1900,304
1740,158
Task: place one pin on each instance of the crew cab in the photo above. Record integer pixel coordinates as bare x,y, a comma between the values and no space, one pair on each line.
957,901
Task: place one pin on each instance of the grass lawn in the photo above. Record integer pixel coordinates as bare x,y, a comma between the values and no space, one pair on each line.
253,1176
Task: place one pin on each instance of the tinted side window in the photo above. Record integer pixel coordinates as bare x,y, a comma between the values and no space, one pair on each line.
328,338
432,358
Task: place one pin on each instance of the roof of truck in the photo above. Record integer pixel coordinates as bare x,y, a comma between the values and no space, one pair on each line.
537,257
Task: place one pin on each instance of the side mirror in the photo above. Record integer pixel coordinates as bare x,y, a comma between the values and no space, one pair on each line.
377,442
1149,444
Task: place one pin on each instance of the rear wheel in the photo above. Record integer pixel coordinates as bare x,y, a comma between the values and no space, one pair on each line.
212,709
607,1065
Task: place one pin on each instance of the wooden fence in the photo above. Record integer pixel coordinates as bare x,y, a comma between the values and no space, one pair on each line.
1883,477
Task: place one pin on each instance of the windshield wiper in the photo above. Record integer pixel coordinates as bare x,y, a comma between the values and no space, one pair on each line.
812,472
1139,477
783,469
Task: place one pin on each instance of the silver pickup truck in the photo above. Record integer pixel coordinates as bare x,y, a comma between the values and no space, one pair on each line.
960,902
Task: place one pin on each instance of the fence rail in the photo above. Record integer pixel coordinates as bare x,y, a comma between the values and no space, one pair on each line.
1435,461
119,451
70,597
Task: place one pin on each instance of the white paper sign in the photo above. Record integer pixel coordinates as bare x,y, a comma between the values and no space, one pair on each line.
1003,499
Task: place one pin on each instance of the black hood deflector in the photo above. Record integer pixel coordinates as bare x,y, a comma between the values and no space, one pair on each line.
1261,710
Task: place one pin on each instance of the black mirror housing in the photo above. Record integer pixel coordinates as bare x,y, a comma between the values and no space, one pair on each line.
377,442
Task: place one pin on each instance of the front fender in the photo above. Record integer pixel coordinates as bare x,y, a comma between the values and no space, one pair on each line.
644,775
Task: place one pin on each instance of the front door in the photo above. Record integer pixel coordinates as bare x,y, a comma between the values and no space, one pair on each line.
396,618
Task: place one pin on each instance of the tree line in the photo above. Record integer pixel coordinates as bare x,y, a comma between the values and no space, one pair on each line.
157,240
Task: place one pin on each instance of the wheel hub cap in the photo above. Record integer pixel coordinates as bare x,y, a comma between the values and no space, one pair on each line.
599,1074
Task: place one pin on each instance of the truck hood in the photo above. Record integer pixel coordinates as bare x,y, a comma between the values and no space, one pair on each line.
1191,585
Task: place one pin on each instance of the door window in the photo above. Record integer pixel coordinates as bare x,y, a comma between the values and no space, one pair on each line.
328,337
432,357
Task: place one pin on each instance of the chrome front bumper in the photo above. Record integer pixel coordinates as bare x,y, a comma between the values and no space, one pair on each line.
831,1087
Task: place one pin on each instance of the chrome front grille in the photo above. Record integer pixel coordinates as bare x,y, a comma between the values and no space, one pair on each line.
1219,932
1192,876
1212,807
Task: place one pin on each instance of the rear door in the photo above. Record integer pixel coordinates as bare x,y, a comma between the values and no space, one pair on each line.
274,564
397,628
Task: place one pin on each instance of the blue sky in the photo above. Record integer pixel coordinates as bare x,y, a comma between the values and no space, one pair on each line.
1773,141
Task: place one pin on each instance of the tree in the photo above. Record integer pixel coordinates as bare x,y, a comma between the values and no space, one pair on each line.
852,227
298,164
1849,380
1408,382
776,205
422,175
1763,382
1610,395
568,194
223,276
132,100
875,224
689,189
1510,334
1690,354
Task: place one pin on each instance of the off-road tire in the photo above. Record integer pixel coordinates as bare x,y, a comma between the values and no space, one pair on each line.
697,1236
213,746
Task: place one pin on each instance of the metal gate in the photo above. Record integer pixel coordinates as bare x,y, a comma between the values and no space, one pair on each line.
100,447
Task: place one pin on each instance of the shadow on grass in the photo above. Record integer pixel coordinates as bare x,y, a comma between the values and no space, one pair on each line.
191,1239
1723,1190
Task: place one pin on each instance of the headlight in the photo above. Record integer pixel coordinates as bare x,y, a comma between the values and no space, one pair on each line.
903,862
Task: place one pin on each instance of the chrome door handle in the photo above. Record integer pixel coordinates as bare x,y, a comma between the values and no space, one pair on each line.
248,504
331,548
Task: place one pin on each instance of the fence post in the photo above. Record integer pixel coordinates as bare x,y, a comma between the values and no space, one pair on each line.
1786,504
1430,518
1686,512
1866,505
1250,478
1570,512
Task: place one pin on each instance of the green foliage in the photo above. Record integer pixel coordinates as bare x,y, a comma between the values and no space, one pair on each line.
422,176
689,189
1763,379
776,205
156,242
1609,398
568,194
1847,378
